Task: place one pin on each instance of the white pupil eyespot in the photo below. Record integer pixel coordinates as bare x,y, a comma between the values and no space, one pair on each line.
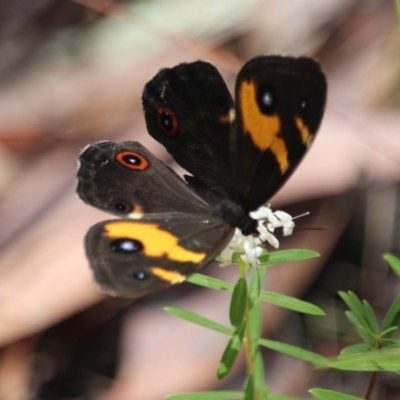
127,245
267,99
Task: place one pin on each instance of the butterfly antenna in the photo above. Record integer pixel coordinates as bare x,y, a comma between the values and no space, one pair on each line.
321,228
301,215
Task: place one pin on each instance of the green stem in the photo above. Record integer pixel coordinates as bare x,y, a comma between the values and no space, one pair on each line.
248,340
248,343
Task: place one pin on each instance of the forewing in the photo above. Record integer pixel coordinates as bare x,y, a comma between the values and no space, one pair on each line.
189,110
280,103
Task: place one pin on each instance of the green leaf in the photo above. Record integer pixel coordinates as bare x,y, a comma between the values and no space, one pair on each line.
257,279
264,393
387,333
324,394
392,260
254,324
283,256
375,360
216,395
355,306
369,336
357,317
365,336
290,302
392,317
231,352
249,389
370,317
357,348
295,351
238,305
209,282
259,373
390,343
352,319
199,320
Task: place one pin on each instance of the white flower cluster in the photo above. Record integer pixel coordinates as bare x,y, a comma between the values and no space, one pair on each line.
250,247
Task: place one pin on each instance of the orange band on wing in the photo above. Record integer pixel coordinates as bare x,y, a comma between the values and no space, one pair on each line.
306,136
262,129
279,150
172,277
156,241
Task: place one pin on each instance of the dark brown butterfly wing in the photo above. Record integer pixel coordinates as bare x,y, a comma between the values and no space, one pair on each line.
280,104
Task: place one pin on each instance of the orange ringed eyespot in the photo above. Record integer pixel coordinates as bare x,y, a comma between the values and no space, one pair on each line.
167,121
132,160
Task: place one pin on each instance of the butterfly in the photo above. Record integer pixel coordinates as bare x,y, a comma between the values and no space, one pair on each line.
238,156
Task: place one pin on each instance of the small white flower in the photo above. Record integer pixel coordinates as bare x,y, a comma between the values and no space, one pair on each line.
266,236
235,246
250,247
251,253
226,256
286,222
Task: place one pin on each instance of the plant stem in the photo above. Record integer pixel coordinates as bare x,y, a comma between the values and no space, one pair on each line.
371,386
248,345
248,339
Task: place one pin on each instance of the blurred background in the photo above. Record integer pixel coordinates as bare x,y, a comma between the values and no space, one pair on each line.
71,73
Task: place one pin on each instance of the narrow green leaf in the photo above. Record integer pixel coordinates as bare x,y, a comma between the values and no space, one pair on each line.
372,337
249,388
369,336
254,324
387,333
357,348
259,373
355,306
345,297
290,302
199,320
370,317
257,279
324,394
359,328
283,256
392,317
352,319
216,395
374,360
392,260
238,302
390,343
209,282
295,351
231,352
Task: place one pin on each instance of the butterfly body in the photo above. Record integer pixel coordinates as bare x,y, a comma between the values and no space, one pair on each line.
238,157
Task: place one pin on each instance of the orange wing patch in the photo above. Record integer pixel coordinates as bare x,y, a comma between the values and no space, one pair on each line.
306,136
173,277
263,129
156,241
